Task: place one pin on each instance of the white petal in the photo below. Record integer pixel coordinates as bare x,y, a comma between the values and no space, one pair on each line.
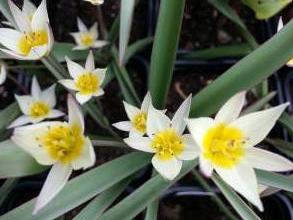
56,180
257,125
80,47
231,109
87,158
146,102
90,62
48,96
205,166
280,24
156,121
100,43
100,92
81,26
169,169
36,53
77,37
69,84
130,110
40,18
123,125
28,8
82,99
74,68
10,38
35,89
133,133
265,160
19,17
74,113
140,143
100,73
191,150
242,179
24,103
50,38
3,74
94,30
22,120
198,128
178,122
55,114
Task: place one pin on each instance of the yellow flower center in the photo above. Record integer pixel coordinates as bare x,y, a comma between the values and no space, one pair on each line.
31,40
63,143
139,122
39,109
167,144
87,39
87,83
224,145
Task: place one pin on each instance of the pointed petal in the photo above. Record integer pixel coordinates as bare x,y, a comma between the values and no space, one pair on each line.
50,38
242,179
22,120
130,110
90,62
231,109
100,73
35,89
3,74
81,26
19,17
265,160
37,53
178,122
100,92
55,114
146,102
169,169
87,158
123,125
133,133
24,103
140,143
80,47
205,167
94,30
280,24
74,113
82,99
48,96
257,125
28,8
74,68
40,18
100,43
69,84
198,128
10,38
191,150
56,180
156,121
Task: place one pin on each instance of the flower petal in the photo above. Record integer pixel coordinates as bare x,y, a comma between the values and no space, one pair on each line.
100,43
82,98
80,47
75,116
140,143
55,114
28,8
20,18
69,84
205,166
100,73
35,89
198,128
48,96
56,180
36,53
24,103
10,38
94,30
40,18
242,179
178,122
100,92
74,68
81,26
87,158
123,125
146,102
191,150
90,62
257,125
3,74
22,120
231,109
50,38
265,160
169,169
130,110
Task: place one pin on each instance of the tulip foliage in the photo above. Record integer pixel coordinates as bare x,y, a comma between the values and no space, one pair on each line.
226,148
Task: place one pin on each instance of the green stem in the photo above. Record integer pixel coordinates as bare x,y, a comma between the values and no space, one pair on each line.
153,208
106,143
58,75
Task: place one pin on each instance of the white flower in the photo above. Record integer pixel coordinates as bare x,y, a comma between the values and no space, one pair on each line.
166,140
37,107
86,81
61,144
33,39
138,118
95,2
227,145
3,74
280,26
87,38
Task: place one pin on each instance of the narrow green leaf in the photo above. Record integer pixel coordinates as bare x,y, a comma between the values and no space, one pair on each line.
137,47
8,114
283,146
126,15
15,162
61,50
83,188
238,204
6,188
247,73
97,206
152,211
287,121
164,49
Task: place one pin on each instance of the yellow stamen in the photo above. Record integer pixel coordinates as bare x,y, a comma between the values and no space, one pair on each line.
139,122
39,109
224,145
32,39
87,39
87,83
63,143
167,144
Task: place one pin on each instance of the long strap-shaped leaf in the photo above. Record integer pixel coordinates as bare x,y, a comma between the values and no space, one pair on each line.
164,49
247,73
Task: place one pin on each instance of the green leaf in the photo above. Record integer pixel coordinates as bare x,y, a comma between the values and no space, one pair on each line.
152,211
15,162
61,50
247,73
284,146
164,49
83,188
6,188
287,121
8,115
126,15
238,204
98,205
265,9
137,47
